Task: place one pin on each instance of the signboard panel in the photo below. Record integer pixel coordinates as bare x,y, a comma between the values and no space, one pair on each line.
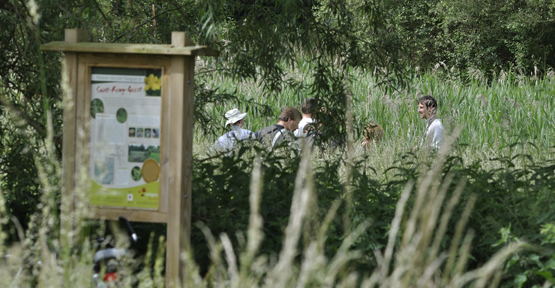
124,142
123,134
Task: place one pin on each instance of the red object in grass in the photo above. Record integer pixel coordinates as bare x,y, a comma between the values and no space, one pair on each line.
144,190
112,276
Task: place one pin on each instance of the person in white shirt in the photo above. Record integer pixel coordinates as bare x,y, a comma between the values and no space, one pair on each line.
228,141
427,107
307,109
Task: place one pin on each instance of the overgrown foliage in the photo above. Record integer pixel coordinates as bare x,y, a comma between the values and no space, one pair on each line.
321,243
485,35
517,197
274,54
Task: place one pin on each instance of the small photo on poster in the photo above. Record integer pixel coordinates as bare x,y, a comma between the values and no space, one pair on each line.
139,153
155,133
104,171
96,107
153,82
136,173
139,132
148,131
132,131
121,115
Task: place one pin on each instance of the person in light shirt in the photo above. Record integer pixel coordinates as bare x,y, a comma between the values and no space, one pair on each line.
229,140
427,107
306,109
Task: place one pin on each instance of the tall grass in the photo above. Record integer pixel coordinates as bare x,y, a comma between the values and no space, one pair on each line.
413,255
491,116
512,108
412,258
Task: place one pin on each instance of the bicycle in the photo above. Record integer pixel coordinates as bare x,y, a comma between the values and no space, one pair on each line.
109,257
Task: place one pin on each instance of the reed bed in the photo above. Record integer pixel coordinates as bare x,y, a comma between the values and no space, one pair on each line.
493,115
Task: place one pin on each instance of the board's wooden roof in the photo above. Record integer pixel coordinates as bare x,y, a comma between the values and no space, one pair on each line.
158,49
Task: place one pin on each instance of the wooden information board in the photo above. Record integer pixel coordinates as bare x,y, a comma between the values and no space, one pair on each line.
130,124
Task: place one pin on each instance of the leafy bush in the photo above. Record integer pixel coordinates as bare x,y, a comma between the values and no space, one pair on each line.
486,35
519,197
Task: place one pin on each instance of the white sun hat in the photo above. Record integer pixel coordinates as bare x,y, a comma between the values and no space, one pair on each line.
233,116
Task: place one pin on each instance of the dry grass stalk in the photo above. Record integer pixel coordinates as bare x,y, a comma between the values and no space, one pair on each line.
415,255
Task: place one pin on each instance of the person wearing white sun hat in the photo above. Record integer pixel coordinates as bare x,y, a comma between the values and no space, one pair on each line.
228,141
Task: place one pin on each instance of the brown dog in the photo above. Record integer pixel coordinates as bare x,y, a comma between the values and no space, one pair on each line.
372,133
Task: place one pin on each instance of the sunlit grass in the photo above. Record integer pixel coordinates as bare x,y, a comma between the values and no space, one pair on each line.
491,117
412,257
511,109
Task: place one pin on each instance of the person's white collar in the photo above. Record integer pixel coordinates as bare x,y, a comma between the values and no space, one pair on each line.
430,121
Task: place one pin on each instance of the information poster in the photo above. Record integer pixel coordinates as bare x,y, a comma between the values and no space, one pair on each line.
125,137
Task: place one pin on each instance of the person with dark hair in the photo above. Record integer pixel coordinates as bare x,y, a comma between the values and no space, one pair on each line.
228,141
274,135
427,107
372,133
308,107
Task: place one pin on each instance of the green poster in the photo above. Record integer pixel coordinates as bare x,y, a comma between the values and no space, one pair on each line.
125,117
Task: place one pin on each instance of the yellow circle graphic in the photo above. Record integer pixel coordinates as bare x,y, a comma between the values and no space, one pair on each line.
151,170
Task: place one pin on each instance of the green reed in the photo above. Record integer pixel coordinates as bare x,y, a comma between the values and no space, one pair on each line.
492,114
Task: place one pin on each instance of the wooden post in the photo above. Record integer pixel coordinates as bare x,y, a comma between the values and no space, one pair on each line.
76,35
69,133
181,141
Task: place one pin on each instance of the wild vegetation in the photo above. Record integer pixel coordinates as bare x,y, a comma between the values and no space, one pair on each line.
507,171
478,213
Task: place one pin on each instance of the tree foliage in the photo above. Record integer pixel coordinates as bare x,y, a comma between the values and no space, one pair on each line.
258,40
485,35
